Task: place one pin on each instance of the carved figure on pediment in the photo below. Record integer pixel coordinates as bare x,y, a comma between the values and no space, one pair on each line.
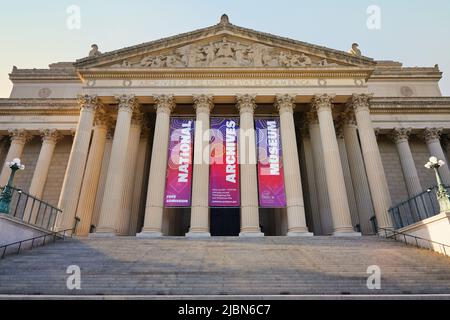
146,61
284,59
242,56
174,61
325,63
210,53
255,55
225,49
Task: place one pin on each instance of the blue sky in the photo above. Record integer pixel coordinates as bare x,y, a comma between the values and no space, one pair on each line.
35,33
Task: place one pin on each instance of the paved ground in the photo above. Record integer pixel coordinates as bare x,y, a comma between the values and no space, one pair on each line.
226,266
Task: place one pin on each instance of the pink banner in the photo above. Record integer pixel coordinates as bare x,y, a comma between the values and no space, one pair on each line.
270,163
224,167
179,164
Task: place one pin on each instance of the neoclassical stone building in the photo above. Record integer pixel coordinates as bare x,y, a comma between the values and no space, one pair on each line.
354,133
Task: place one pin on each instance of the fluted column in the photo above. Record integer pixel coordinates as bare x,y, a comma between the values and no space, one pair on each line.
309,164
292,179
112,199
319,174
73,178
19,138
138,193
247,159
157,177
358,173
92,174
200,186
123,223
347,176
372,160
103,174
400,137
432,138
340,212
49,139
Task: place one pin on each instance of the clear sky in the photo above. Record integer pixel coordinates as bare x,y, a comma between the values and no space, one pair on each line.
34,34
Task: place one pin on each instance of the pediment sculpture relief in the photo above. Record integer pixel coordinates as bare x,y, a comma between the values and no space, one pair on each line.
226,53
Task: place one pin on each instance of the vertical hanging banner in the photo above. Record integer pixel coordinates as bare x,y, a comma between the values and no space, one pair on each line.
179,163
270,163
224,188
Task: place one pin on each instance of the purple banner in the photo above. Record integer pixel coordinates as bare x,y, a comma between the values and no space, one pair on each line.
270,163
179,164
224,167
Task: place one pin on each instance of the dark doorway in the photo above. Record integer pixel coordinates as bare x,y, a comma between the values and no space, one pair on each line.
225,222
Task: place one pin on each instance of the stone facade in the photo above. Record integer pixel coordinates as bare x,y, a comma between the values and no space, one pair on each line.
347,124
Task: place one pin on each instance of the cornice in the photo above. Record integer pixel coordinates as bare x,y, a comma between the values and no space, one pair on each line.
380,105
39,107
228,73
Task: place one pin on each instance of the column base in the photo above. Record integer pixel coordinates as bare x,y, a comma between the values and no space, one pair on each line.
251,234
346,234
198,235
300,234
102,235
149,234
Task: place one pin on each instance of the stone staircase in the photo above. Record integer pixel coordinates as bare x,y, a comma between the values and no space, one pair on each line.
226,266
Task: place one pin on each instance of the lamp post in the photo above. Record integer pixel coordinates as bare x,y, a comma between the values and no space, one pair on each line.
442,194
6,195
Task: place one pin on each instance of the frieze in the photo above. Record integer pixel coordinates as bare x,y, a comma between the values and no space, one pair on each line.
226,53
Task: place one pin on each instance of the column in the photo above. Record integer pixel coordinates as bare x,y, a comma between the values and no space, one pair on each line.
309,163
432,138
103,174
19,137
319,174
247,159
49,139
112,199
358,173
203,105
372,160
157,178
139,177
123,223
346,171
73,178
92,174
400,137
340,212
292,179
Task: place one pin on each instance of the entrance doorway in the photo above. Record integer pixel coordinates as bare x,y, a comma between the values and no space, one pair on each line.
225,222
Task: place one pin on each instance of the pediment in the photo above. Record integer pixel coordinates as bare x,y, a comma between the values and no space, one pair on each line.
224,46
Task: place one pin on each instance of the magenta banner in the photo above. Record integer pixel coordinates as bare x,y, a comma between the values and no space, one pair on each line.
179,164
224,167
270,163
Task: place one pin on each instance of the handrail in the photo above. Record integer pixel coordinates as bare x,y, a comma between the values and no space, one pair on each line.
32,210
419,207
59,234
394,234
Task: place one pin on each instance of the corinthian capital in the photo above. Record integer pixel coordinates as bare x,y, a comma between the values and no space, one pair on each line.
322,102
432,134
50,135
399,135
246,103
203,103
360,101
164,103
127,102
20,135
285,102
88,102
